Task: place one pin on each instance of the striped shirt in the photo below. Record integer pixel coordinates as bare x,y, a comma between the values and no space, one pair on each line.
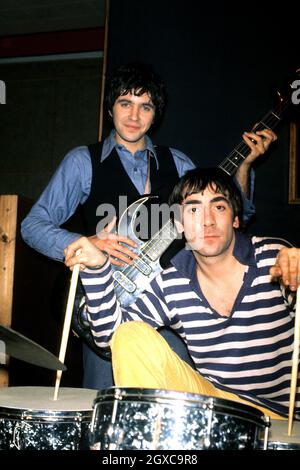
248,353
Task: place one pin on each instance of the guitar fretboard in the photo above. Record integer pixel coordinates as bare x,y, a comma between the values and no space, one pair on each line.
238,155
160,242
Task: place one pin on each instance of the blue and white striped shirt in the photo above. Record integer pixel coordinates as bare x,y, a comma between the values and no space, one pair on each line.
248,353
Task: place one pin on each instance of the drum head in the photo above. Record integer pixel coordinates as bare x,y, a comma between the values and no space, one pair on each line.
41,398
278,433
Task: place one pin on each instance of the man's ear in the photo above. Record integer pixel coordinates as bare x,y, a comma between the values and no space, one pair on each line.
236,222
179,226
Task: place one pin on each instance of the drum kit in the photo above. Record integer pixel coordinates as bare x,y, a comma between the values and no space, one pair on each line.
126,418
33,418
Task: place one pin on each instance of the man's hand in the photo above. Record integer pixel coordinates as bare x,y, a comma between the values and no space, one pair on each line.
110,244
83,252
259,143
287,267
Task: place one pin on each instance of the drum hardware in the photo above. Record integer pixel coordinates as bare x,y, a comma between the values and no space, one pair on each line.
266,435
209,406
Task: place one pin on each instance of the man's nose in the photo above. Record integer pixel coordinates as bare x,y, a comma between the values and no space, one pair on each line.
134,114
208,217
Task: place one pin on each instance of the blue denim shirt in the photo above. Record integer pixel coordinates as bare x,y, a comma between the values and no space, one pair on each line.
70,186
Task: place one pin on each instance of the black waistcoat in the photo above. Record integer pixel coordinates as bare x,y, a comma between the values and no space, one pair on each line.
110,180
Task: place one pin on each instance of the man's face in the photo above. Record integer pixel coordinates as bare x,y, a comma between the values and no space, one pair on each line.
208,223
132,116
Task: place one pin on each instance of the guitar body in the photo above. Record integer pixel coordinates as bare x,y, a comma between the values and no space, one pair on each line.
131,280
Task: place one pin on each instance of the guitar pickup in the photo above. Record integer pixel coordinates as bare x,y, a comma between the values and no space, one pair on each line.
124,281
142,266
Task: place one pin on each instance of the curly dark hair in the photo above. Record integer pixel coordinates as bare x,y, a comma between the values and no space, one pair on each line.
136,78
198,179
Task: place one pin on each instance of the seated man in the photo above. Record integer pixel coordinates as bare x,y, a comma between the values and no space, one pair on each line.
220,295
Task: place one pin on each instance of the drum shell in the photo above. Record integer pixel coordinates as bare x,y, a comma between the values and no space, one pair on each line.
159,420
33,426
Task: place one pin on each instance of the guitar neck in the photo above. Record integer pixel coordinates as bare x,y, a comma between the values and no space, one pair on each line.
160,242
241,151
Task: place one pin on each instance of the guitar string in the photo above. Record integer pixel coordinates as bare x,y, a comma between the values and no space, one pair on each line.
241,150
270,120
154,241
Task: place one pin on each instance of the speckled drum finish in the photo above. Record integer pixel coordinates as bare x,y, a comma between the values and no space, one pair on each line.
31,419
130,418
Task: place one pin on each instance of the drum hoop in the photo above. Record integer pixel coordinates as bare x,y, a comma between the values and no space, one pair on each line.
168,397
285,445
45,415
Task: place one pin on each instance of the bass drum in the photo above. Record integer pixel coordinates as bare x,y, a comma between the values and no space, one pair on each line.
125,418
31,419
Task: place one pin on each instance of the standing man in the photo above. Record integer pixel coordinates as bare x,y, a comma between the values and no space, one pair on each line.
126,163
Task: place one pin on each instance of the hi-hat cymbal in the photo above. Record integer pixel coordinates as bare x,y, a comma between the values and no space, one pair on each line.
20,347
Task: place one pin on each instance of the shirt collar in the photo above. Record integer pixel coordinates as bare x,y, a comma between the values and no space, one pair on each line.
110,143
243,251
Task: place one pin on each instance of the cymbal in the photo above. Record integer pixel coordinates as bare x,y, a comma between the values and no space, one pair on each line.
20,347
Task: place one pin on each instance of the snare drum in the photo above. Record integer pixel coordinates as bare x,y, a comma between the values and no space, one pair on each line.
278,438
125,418
31,419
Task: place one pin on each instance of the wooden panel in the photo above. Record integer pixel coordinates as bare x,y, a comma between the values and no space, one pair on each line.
8,218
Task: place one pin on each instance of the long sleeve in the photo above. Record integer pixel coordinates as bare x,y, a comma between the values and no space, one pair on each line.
104,311
69,187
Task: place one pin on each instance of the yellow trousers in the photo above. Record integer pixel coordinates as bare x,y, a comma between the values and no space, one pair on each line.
143,359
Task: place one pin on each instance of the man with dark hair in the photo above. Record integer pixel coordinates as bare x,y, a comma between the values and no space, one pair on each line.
218,295
126,164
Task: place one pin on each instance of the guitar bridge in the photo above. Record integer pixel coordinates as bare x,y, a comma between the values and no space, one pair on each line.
124,281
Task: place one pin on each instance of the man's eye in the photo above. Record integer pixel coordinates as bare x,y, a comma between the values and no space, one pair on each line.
147,108
193,210
220,208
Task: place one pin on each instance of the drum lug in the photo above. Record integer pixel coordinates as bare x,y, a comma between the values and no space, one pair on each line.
16,435
266,434
206,439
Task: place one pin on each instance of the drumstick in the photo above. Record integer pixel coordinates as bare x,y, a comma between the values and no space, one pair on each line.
67,323
294,363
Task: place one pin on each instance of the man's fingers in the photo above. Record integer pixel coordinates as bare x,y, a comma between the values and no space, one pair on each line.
275,272
111,225
288,267
126,240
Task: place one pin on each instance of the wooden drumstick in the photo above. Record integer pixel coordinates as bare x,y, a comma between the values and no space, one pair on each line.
294,363
67,323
